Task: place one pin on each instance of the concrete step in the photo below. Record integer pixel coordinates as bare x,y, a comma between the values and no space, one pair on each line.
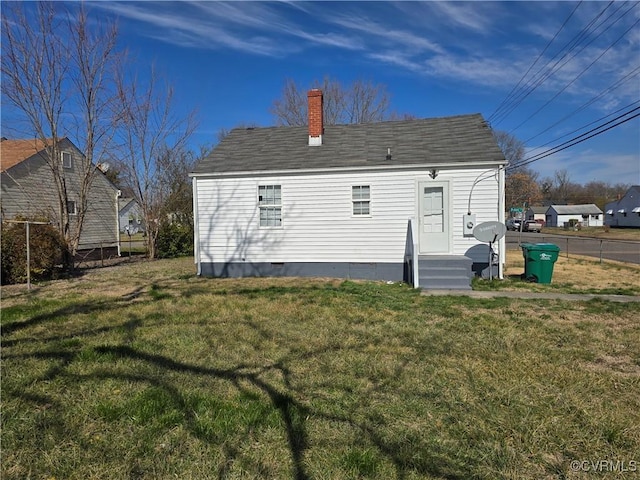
446,272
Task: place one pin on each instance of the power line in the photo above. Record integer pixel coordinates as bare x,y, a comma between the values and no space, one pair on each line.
541,75
624,79
579,136
577,77
578,139
514,89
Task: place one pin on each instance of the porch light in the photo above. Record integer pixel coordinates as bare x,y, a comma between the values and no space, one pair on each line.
433,173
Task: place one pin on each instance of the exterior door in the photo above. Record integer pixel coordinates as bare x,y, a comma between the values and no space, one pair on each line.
434,217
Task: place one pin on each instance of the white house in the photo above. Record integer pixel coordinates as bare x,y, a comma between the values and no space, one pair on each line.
624,212
130,216
588,215
388,200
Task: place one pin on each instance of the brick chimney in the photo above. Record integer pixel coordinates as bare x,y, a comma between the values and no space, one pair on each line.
316,125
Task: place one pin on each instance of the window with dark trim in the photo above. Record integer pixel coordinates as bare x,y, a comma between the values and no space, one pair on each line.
361,200
270,204
66,159
72,207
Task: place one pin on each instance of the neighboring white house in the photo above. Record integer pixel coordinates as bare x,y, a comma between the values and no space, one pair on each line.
130,216
375,201
588,215
626,211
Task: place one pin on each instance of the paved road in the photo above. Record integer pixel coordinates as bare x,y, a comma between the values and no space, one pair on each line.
620,250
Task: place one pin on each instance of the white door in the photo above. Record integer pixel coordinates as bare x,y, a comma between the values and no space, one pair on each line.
433,201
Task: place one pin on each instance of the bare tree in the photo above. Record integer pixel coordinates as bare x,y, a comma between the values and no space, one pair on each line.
151,136
52,79
34,68
512,149
173,172
93,62
521,188
362,102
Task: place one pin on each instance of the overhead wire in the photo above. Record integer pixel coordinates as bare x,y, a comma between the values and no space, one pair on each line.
542,75
577,77
569,51
514,89
580,138
624,79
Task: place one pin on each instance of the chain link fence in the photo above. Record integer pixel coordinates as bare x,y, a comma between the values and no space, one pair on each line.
603,249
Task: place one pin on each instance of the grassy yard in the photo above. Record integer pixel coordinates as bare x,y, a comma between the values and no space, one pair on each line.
144,371
578,274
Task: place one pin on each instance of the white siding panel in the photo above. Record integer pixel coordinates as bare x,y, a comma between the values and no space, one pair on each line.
318,225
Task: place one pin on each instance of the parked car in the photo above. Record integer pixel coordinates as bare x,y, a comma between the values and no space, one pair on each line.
532,226
513,224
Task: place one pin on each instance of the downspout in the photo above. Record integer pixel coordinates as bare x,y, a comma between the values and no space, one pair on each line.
118,193
196,227
502,245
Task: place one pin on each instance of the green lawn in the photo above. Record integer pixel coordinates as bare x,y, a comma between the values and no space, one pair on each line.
145,371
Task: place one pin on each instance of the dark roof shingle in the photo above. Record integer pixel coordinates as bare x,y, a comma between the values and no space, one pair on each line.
433,141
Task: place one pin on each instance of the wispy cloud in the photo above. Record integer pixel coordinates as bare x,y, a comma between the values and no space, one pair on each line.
377,32
479,17
464,42
187,27
589,165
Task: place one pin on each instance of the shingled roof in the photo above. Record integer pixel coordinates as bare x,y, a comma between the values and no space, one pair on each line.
13,152
427,142
586,209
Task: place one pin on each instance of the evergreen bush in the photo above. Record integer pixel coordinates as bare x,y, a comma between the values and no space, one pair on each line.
174,240
47,252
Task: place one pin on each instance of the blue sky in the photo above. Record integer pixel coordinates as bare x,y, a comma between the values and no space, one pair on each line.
230,61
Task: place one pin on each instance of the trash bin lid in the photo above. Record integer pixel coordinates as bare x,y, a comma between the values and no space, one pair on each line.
549,247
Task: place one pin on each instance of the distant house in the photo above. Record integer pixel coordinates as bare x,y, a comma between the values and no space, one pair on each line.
28,190
384,200
588,215
131,219
626,211
536,213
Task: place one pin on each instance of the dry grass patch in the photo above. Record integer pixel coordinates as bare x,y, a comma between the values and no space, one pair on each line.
577,274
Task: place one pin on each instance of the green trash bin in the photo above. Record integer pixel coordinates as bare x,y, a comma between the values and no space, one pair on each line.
539,259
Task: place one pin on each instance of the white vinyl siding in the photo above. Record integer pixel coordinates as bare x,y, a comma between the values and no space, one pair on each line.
320,225
361,198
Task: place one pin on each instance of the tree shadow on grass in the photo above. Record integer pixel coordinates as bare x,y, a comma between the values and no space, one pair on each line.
291,410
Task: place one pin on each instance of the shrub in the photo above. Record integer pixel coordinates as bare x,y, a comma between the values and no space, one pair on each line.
47,252
174,240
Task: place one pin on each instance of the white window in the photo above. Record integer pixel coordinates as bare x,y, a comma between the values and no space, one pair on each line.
66,159
270,203
361,198
72,207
